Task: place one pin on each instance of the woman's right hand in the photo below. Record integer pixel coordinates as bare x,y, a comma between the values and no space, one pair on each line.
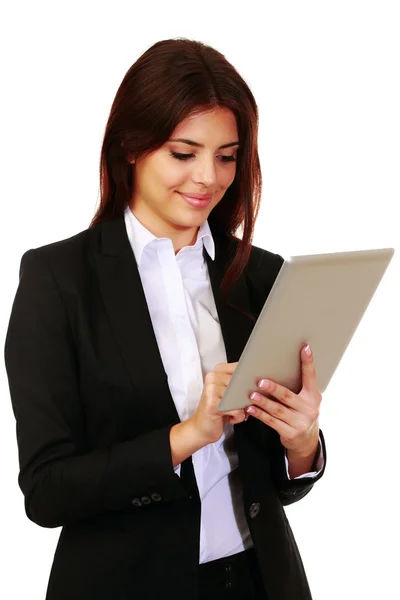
206,420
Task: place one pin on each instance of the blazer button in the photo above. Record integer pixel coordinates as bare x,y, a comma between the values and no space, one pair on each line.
254,510
136,502
156,497
146,500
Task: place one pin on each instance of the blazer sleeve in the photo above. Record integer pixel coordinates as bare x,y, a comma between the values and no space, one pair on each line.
289,490
61,479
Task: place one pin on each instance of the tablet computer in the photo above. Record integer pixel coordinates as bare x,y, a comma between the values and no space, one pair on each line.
317,299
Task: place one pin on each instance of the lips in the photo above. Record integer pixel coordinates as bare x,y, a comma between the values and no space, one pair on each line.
197,202
197,196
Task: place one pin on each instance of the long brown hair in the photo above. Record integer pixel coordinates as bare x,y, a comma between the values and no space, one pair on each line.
171,80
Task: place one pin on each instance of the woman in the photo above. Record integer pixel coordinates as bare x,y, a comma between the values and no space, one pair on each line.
122,340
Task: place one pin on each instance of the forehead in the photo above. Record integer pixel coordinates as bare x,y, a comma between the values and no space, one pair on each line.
220,122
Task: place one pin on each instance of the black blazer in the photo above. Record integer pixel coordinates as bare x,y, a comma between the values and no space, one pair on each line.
93,412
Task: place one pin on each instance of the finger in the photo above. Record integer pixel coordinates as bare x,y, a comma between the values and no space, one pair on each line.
280,392
309,377
284,430
225,367
235,416
218,379
276,409
242,416
233,413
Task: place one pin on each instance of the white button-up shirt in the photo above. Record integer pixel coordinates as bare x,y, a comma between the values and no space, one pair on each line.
185,321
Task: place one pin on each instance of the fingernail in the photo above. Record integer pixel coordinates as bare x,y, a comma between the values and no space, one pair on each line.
251,410
264,383
255,397
307,350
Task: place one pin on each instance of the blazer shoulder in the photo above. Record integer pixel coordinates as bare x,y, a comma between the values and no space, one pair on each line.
68,253
261,271
64,246
263,266
260,256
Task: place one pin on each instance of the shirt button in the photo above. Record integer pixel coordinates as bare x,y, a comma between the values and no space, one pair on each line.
146,500
156,497
136,502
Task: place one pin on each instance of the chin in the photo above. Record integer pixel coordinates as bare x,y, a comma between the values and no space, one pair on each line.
185,220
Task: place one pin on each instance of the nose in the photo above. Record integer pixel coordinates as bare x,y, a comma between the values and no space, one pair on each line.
205,172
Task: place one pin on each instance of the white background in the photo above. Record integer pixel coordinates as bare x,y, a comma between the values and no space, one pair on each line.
326,79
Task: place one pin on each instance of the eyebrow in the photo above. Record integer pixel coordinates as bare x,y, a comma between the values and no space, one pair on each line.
191,143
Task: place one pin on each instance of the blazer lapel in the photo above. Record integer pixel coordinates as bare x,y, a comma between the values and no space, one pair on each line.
126,307
235,327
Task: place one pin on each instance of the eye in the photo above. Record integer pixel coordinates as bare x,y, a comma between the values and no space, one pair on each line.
180,156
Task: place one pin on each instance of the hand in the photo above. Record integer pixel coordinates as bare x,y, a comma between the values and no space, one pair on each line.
293,416
208,422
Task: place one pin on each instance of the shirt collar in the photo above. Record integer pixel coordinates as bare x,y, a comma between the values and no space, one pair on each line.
140,237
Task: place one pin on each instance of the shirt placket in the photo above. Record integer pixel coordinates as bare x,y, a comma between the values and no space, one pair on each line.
186,340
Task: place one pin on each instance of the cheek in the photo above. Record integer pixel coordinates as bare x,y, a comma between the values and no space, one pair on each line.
228,177
172,176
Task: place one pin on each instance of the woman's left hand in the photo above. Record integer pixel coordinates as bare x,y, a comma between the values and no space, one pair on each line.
293,416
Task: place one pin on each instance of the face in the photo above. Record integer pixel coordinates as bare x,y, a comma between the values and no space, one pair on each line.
179,168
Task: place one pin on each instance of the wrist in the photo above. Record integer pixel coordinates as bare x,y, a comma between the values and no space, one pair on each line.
199,437
304,460
185,440
306,452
